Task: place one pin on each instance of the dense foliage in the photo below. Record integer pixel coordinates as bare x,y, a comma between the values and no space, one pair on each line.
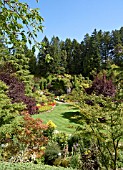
102,123
8,112
28,166
16,92
26,141
101,85
19,23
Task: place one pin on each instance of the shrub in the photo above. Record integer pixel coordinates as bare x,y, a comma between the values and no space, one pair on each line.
26,142
16,92
75,161
50,129
61,138
102,86
51,153
65,162
57,161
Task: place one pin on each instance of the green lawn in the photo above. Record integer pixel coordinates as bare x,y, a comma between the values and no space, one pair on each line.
65,117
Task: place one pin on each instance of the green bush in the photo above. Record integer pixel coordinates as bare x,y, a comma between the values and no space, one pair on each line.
51,153
65,162
57,162
75,161
61,138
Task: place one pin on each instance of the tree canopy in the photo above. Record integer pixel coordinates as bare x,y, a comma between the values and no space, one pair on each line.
19,23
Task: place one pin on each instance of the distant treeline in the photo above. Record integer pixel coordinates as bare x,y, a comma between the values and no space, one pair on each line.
96,52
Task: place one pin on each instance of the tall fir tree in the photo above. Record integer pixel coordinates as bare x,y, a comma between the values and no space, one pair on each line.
43,65
68,49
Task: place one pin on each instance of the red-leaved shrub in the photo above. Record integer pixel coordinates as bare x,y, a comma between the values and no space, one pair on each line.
16,92
102,86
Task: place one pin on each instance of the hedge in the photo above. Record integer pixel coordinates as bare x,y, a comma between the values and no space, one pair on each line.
28,166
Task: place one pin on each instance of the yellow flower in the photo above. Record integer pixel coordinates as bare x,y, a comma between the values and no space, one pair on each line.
38,104
51,124
43,148
87,152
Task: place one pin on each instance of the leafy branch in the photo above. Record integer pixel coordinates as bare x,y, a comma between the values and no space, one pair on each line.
19,22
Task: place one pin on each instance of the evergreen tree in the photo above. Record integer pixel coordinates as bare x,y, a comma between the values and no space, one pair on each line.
29,54
55,53
85,54
106,49
76,58
3,52
118,55
9,112
20,67
91,54
68,49
63,63
43,65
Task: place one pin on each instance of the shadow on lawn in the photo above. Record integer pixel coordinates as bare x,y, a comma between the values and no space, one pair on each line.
74,117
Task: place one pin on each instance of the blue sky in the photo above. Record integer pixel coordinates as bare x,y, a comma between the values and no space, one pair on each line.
74,18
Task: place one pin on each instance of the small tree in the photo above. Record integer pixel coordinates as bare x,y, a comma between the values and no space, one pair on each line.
102,118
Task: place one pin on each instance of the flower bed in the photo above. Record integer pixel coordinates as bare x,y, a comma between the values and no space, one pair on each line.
43,107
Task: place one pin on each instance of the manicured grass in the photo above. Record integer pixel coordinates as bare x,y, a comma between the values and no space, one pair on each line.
64,116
